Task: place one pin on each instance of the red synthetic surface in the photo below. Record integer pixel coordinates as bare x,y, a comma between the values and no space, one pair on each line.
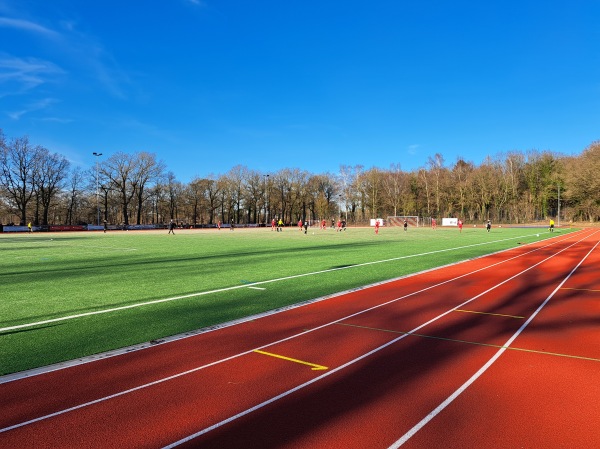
380,382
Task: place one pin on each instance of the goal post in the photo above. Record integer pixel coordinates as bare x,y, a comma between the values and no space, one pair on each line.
412,220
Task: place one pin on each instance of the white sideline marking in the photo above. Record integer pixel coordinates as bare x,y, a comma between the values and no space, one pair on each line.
236,287
286,393
489,363
193,370
140,346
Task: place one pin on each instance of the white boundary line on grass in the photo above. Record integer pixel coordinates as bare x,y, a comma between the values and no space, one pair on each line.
269,401
145,345
237,287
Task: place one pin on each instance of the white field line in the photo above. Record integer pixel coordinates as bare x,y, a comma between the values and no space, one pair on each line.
236,287
196,369
416,329
408,435
138,347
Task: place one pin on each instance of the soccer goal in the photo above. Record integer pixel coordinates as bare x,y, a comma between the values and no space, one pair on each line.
412,220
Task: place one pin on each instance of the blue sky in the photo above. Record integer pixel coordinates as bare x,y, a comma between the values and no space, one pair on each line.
210,84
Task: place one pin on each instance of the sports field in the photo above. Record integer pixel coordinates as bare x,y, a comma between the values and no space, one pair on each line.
71,295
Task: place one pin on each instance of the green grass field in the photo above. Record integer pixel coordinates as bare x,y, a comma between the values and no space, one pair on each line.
206,278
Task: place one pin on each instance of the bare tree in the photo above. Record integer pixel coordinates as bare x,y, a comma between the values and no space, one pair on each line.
436,167
462,173
74,194
392,184
584,182
174,194
253,194
52,170
19,171
119,169
146,170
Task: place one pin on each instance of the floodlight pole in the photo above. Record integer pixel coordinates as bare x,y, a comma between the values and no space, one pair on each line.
97,191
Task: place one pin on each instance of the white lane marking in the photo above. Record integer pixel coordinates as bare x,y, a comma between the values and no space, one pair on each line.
236,287
145,345
193,370
288,392
436,411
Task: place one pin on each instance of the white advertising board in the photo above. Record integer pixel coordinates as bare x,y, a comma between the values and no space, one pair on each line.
449,221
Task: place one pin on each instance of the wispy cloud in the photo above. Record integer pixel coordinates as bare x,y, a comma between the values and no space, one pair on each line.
23,74
413,149
26,25
76,50
38,105
57,120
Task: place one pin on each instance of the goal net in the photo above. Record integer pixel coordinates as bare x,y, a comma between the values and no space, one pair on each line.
413,221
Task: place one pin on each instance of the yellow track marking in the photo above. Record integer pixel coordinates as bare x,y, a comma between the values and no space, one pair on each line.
315,367
556,354
581,289
486,313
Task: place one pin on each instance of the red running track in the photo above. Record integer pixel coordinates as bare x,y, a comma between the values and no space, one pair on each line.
501,351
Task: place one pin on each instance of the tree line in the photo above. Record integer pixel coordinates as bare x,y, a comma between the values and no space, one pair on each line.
39,186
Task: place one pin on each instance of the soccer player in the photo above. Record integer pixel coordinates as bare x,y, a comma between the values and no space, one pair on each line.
460,225
551,229
376,226
433,224
405,224
488,225
273,224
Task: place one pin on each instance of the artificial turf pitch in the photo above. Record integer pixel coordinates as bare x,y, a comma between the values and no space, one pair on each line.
68,295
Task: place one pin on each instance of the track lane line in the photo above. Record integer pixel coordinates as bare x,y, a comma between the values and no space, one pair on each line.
436,411
193,370
117,352
357,359
489,313
475,343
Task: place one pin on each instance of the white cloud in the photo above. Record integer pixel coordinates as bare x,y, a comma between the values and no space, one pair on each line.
26,25
79,51
23,74
196,3
412,149
38,105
